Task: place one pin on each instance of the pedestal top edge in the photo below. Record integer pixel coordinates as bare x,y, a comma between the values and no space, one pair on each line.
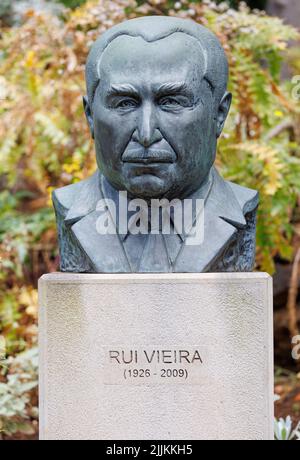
64,277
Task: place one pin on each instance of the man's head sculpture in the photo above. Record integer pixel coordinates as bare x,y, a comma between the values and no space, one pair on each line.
156,104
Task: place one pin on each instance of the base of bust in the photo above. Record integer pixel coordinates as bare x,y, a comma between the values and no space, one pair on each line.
156,356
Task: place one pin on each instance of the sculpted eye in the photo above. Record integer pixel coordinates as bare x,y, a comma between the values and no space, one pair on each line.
127,103
169,101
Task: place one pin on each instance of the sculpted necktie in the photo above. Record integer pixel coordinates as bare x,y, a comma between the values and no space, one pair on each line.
155,257
153,252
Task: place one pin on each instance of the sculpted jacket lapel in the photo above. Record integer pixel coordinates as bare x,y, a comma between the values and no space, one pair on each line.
222,216
105,252
222,213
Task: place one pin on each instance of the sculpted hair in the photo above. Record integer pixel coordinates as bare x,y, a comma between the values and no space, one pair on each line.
153,28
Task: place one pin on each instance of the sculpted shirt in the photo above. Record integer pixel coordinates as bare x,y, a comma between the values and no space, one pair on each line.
148,252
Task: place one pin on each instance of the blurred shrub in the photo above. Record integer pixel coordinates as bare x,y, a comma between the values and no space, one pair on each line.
6,12
45,142
72,3
18,368
18,398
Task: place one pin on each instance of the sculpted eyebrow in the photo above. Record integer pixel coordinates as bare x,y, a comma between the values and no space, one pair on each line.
122,90
172,88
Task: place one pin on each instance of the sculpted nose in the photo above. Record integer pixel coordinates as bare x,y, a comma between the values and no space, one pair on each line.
147,132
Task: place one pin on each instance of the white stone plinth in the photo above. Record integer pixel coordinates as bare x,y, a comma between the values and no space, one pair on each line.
201,348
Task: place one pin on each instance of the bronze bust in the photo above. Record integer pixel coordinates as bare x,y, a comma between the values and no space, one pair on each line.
156,104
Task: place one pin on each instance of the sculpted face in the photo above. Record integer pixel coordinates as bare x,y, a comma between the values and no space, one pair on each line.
154,117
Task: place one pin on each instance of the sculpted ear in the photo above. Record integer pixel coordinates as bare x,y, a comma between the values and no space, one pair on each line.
88,114
223,110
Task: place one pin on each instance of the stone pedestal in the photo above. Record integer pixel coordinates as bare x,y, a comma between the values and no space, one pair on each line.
156,356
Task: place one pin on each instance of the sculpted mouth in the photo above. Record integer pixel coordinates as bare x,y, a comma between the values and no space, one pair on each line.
148,157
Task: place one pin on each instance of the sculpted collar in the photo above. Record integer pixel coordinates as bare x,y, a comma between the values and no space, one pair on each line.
109,192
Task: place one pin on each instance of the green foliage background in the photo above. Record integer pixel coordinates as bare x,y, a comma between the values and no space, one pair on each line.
72,3
45,143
